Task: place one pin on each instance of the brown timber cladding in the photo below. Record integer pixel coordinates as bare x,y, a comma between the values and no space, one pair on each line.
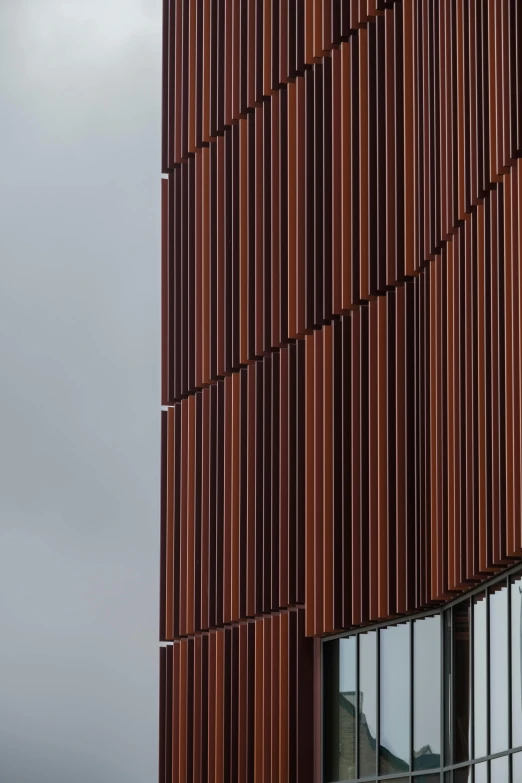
342,331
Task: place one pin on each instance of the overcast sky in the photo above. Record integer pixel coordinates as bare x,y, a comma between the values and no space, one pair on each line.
79,389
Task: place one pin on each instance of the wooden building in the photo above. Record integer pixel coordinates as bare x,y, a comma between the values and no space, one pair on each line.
342,374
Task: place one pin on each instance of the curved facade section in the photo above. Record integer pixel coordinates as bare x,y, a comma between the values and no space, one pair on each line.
341,364
437,694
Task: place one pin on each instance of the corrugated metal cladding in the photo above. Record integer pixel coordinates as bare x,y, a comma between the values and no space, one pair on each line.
342,332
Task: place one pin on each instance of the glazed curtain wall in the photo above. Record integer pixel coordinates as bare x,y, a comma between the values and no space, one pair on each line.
342,206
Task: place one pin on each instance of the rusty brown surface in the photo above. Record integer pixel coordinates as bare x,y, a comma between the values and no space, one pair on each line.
341,335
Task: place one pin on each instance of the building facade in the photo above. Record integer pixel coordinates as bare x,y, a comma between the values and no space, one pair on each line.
341,390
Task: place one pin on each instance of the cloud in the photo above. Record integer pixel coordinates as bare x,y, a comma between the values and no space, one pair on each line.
79,389
79,65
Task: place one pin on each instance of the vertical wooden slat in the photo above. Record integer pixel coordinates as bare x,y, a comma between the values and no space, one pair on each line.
400,455
251,512
267,699
292,211
243,692
355,463
183,565
198,250
327,481
317,457
310,486
196,698
284,550
409,138
174,696
258,703
177,85
220,255
363,165
235,498
228,73
227,505
283,701
347,296
337,181
301,207
191,487
382,510
243,240
170,597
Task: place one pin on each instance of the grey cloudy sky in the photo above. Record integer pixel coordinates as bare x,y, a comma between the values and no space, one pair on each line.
79,389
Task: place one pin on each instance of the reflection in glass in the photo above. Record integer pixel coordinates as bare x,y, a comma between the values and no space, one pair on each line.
447,701
480,695
500,770
426,693
498,668
395,699
461,682
481,772
367,703
462,775
516,661
517,767
346,709
339,689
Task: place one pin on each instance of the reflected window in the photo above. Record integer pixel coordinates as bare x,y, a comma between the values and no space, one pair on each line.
461,682
500,770
367,704
426,693
481,772
480,675
498,668
447,669
395,699
340,694
462,775
516,662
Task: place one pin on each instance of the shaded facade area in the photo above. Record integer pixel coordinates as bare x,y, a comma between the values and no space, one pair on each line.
341,377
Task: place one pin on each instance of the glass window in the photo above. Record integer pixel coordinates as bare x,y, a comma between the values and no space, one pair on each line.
517,767
516,661
500,770
389,692
481,772
498,668
339,694
480,676
367,703
448,697
395,699
426,693
461,682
